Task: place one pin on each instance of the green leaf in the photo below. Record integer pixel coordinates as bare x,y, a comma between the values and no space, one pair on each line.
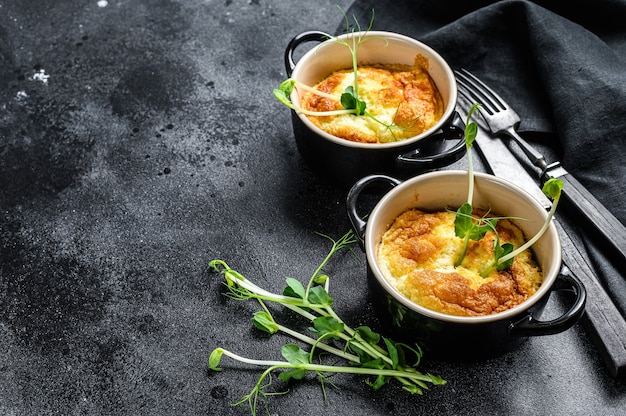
501,251
463,222
397,311
350,101
393,352
360,107
481,227
466,226
327,326
264,321
319,297
231,276
294,288
368,335
437,380
363,356
469,228
471,130
320,279
215,358
296,374
283,92
377,363
378,383
412,388
402,353
552,188
287,86
294,354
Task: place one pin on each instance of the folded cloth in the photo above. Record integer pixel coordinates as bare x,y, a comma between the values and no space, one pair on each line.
560,65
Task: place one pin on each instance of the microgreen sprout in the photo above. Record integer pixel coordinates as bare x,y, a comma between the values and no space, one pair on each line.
467,227
364,351
505,255
350,99
552,189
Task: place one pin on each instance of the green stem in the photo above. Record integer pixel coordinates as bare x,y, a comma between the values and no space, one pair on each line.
330,368
323,113
301,311
347,239
536,237
256,292
251,361
320,345
353,50
317,92
353,337
461,257
470,170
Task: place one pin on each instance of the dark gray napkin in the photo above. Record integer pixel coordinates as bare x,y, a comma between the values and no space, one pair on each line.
560,65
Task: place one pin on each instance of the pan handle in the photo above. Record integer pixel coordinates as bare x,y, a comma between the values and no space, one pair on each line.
310,36
358,223
565,282
433,158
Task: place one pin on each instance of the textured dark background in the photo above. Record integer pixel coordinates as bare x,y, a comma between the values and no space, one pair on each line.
138,141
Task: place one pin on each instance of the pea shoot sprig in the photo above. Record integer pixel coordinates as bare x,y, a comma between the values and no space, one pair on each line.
364,351
467,227
350,99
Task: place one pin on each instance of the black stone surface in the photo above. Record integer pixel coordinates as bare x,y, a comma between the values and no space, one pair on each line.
138,141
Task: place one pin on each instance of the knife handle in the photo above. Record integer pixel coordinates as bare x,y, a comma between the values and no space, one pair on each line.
612,230
603,321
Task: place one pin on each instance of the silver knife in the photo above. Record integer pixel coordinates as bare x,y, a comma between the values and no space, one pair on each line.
602,320
574,195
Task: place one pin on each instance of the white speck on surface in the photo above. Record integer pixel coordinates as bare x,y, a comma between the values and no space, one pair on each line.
21,95
41,76
103,3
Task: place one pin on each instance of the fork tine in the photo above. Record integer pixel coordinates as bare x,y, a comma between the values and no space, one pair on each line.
466,96
502,120
482,92
472,96
478,82
466,101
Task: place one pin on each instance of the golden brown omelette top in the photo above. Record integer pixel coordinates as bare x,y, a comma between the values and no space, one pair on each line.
417,255
400,96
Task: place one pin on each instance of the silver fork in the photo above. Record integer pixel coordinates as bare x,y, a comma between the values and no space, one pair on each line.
500,118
